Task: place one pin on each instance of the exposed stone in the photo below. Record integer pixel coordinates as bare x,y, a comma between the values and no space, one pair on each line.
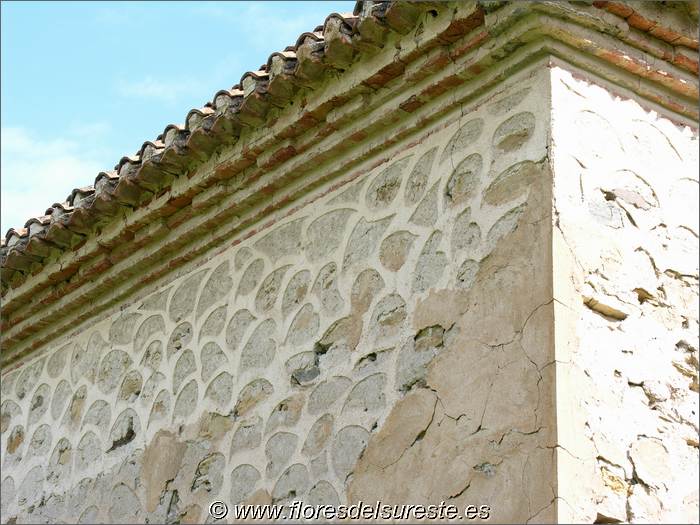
251,277
282,241
214,426
366,286
319,465
60,462
373,361
364,240
217,287
209,475
385,187
122,329
9,380
151,326
323,493
512,183
41,400
244,479
430,265
85,361
153,355
10,410
150,387
57,361
348,446
214,323
180,338
99,414
7,495
326,233
89,450
182,303
248,435
237,327
186,365
417,181
286,413
220,390
535,257
112,368
345,331
29,377
40,442
303,368
212,358
394,250
15,439
327,393
351,195
292,484
157,301
186,400
125,429
466,274
467,135
269,290
296,291
504,226
251,395
29,491
426,213
243,255
75,411
367,395
326,289
131,387
89,515
514,132
388,317
279,449
259,351
304,326
651,462
160,410
319,434
125,505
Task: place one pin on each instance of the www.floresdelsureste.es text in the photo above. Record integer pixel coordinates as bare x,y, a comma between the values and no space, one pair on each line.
298,510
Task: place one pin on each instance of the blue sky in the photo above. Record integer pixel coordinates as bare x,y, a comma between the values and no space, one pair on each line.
84,83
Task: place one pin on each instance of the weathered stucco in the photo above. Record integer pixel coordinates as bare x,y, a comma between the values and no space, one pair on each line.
403,323
488,295
626,285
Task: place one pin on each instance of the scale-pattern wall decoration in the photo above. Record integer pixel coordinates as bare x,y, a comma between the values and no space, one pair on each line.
435,251
267,370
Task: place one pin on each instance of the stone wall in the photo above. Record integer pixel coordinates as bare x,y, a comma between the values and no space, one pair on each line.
401,325
626,285
500,308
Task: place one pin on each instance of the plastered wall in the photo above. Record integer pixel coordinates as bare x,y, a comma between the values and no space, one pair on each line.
626,285
398,326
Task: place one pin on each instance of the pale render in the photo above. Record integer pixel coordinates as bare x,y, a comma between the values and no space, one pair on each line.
495,302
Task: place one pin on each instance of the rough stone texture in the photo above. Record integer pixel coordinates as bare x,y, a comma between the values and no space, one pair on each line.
402,327
626,198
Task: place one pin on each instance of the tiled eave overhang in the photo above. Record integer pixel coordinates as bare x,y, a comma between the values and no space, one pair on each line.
357,85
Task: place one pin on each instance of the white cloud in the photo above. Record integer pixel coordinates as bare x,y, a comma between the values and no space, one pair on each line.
36,173
152,88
